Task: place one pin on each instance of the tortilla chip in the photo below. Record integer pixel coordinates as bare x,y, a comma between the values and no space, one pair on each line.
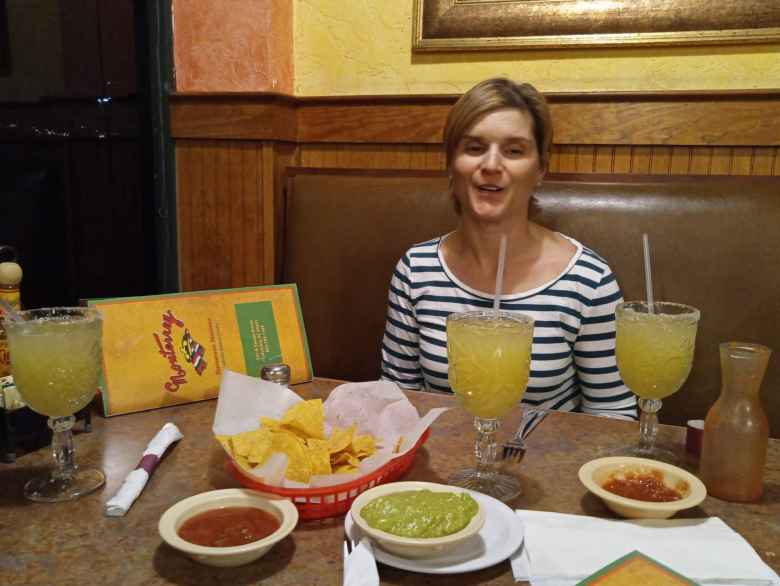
340,438
317,444
300,435
319,456
242,442
261,448
307,418
224,441
363,446
243,462
346,463
298,463
345,458
272,424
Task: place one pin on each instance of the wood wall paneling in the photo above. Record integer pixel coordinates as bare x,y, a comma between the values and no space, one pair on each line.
252,221
285,155
223,214
743,121
232,117
729,118
269,215
231,153
377,121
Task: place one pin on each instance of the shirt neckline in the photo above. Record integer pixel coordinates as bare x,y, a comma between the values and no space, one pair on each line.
511,296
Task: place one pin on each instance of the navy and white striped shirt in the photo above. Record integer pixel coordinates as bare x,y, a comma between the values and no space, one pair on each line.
573,364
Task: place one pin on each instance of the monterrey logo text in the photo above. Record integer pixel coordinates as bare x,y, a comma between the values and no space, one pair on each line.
193,352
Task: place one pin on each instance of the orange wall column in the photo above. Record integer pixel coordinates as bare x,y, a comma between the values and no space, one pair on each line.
229,46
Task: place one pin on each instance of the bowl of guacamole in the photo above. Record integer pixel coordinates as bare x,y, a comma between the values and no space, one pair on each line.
417,519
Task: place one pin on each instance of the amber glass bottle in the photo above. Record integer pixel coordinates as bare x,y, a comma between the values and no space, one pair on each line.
736,431
10,278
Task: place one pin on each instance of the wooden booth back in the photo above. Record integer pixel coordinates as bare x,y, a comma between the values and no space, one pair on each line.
715,245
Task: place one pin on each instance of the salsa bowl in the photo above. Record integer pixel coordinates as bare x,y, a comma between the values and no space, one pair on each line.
413,547
598,473
281,509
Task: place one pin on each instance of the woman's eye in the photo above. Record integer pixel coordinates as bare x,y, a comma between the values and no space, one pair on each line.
515,151
474,148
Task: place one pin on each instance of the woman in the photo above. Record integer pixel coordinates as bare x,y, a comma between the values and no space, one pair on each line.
497,140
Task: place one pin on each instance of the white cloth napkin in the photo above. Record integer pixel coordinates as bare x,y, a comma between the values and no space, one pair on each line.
121,502
561,550
360,566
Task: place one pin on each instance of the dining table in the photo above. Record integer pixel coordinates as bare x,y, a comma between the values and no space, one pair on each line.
75,543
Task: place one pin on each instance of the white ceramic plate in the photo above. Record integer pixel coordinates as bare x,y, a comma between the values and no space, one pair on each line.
499,538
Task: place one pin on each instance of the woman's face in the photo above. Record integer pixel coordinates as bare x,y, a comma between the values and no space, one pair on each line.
496,167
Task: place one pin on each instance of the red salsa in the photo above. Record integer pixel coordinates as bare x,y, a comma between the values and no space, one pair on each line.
645,486
228,526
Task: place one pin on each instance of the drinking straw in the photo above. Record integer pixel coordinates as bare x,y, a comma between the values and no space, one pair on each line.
10,311
500,272
648,275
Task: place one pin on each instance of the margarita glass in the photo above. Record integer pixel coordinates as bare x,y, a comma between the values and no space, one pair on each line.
489,354
654,352
55,362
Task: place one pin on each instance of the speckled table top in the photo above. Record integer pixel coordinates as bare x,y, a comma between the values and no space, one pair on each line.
74,543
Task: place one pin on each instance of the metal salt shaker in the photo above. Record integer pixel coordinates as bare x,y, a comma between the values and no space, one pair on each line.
276,373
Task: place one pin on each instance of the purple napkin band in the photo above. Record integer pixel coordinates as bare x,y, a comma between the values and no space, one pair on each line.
148,463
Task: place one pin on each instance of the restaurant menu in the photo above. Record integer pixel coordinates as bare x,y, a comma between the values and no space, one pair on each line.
164,350
636,568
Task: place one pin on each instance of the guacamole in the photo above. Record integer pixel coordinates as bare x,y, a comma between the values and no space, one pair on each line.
420,513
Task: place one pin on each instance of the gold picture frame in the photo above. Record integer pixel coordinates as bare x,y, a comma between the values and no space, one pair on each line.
464,25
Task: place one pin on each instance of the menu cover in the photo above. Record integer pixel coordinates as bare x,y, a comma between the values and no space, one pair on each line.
164,350
636,568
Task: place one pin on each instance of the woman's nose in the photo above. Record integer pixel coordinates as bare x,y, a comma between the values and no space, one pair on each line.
492,160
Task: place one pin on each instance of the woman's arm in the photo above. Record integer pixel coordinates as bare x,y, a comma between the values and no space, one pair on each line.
603,391
400,344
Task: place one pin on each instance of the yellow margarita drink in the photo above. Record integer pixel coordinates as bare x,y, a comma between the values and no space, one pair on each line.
654,351
55,361
489,360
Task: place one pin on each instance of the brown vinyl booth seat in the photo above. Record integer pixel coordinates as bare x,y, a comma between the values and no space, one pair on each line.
715,244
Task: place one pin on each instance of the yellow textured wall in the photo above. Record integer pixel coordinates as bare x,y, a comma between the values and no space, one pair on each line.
364,47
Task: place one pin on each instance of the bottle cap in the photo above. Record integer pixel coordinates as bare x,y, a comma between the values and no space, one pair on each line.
276,373
10,273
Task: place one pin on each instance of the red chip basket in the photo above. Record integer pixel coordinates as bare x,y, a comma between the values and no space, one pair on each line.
331,501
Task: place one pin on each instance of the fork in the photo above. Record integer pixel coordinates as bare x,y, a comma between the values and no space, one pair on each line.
514,449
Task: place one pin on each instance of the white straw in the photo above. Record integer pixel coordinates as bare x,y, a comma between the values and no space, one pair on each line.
500,272
10,311
648,275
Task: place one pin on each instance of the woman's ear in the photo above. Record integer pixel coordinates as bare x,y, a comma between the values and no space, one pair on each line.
540,176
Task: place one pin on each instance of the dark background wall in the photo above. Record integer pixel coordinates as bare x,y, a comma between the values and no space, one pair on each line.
76,187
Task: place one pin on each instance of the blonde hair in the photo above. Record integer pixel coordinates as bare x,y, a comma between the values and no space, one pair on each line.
494,94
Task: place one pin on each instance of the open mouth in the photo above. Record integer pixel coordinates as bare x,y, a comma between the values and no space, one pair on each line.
489,188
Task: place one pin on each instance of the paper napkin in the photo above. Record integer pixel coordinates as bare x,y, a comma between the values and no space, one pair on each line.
360,566
561,550
135,482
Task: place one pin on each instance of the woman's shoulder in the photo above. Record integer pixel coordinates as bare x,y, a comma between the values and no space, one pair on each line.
587,256
420,254
424,250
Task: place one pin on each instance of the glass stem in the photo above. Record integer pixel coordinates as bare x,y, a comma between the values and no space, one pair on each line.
648,422
62,447
485,447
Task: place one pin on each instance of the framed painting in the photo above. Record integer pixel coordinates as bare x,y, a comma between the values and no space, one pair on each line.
446,25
